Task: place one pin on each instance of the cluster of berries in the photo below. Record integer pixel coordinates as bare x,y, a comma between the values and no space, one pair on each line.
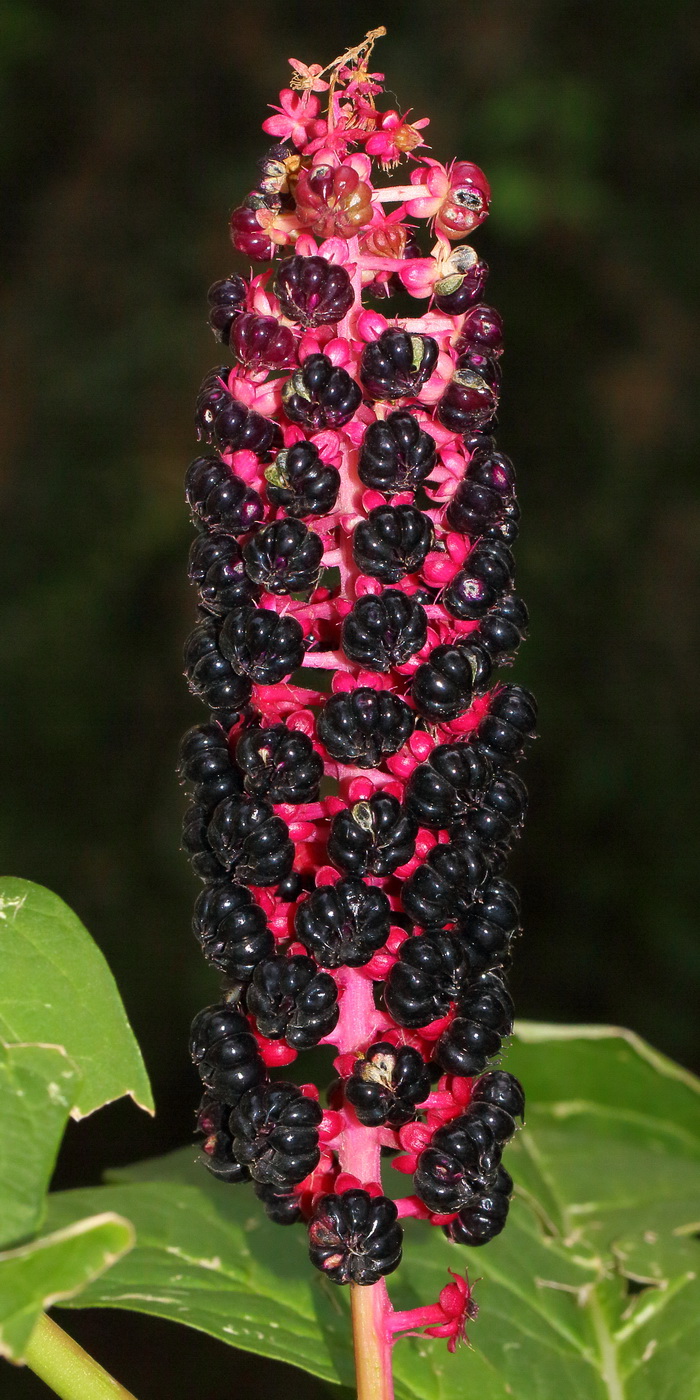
353,799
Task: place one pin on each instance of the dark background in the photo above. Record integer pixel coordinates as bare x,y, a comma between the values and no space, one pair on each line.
129,133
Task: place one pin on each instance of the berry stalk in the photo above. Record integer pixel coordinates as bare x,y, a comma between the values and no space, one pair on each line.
355,529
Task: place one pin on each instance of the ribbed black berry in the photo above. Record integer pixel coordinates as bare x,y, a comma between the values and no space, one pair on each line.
503,628
220,499
225,1053
484,1016
224,420
260,342
282,1207
482,329
372,837
481,583
441,791
343,925
217,1148
443,686
387,1083
384,630
275,1134
226,299
291,999
355,1237
468,401
431,970
232,930
441,890
397,454
196,844
511,720
483,494
205,760
262,645
460,1165
284,557
279,764
460,290
360,726
490,924
210,674
320,395
397,365
485,1216
501,1089
313,291
392,542
499,812
301,483
248,838
217,570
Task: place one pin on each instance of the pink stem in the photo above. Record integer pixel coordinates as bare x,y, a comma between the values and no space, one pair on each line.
390,193
327,661
359,1154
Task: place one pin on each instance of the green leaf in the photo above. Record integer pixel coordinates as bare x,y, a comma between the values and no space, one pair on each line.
592,1290
54,1269
57,989
37,1083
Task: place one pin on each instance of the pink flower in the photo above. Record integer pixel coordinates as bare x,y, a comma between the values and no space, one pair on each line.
297,117
395,138
307,77
458,1308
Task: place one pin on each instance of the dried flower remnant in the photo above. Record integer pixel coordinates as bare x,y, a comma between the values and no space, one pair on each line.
355,523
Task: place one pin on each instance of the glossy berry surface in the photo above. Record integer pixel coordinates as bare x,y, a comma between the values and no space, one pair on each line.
209,673
355,1237
504,627
262,645
490,924
289,998
248,838
397,454
226,299
387,1084
219,499
196,845
485,1216
484,1017
397,365
259,342
279,764
510,721
343,925
384,630
441,890
392,542
444,788
312,291
275,1134
481,584
225,1053
320,395
232,930
284,557
482,329
432,969
301,483
502,1089
282,1207
499,812
442,687
362,726
372,837
205,761
216,569
247,235
468,401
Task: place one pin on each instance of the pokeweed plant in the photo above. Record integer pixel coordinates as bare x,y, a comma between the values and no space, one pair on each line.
355,522
354,803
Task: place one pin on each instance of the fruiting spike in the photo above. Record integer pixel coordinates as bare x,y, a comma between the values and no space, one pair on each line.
356,518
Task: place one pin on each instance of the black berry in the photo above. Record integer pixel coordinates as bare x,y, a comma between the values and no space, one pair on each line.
397,365
291,999
468,401
217,1148
343,925
226,299
360,726
461,289
372,837
209,673
312,291
248,838
430,972
220,499
284,557
387,1083
384,630
282,1207
490,924
443,687
261,644
275,1134
355,1237
320,395
216,568
443,789
225,1053
260,342
485,1216
510,721
392,542
441,890
232,930
484,1017
279,764
301,483
205,761
397,455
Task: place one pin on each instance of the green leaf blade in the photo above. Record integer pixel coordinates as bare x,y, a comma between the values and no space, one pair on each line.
57,989
54,1269
37,1083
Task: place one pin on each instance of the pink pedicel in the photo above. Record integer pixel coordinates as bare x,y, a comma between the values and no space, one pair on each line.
355,797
